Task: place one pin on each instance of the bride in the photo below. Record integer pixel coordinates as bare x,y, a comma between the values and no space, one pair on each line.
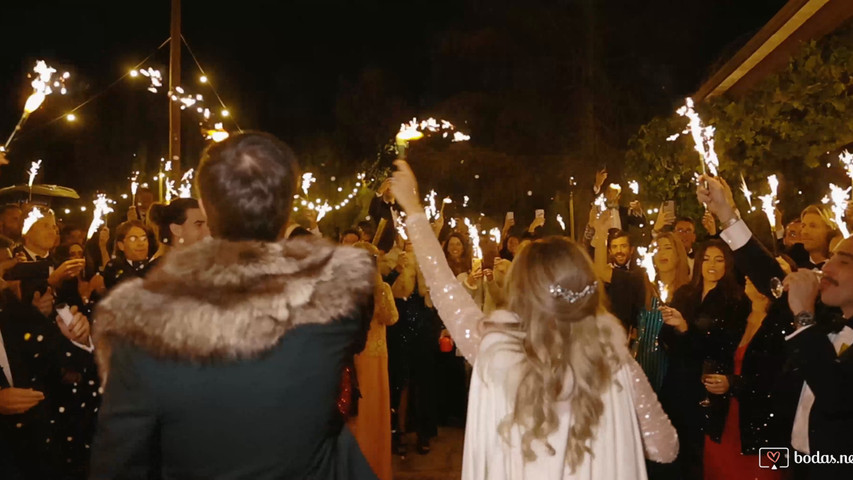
555,393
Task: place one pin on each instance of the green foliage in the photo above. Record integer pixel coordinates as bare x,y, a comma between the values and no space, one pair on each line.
792,123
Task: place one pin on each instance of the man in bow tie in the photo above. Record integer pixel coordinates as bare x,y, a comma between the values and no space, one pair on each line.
817,346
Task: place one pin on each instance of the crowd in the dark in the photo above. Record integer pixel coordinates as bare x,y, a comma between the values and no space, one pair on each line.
221,339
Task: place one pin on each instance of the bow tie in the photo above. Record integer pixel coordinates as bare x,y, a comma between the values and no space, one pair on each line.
138,265
838,323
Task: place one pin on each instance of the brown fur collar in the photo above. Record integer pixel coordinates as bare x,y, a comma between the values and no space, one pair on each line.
220,300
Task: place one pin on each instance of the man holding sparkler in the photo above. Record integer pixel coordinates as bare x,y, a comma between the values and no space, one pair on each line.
818,347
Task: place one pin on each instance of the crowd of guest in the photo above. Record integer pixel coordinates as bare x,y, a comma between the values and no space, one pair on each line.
113,347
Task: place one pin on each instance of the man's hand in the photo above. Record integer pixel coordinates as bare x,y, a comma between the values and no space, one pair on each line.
44,303
716,384
803,288
709,223
14,401
717,197
635,209
68,270
600,177
78,330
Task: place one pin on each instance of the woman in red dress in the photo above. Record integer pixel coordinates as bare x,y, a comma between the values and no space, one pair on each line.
761,400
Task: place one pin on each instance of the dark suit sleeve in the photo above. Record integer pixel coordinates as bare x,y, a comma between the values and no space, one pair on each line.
126,423
757,263
829,376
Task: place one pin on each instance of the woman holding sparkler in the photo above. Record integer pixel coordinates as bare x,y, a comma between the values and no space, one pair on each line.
704,324
553,379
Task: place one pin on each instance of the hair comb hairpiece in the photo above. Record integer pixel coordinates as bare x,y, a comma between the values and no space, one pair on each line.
571,296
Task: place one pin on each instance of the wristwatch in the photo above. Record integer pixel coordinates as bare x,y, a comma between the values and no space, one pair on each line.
804,319
731,221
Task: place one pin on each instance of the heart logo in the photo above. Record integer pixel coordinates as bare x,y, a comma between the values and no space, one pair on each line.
773,456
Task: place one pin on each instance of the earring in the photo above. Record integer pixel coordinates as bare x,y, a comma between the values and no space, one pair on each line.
181,240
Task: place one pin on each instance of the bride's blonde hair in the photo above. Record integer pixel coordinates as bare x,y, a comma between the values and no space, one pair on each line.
561,336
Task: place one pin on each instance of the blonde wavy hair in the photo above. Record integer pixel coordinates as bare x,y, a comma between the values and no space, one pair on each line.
560,338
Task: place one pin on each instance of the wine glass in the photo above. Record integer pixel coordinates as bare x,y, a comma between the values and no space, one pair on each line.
777,288
709,367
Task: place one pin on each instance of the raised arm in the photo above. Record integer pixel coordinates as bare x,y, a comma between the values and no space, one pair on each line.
660,440
455,306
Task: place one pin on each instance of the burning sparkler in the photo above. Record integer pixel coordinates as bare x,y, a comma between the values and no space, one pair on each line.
647,261
838,198
476,252
41,89
561,222
414,130
307,180
185,190
495,234
32,172
703,138
601,203
33,217
102,208
431,209
746,193
634,187
768,202
134,186
847,160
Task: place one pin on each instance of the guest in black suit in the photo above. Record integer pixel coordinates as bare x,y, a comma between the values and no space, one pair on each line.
818,348
817,232
37,358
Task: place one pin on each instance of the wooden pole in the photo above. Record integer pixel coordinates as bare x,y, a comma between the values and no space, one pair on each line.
174,82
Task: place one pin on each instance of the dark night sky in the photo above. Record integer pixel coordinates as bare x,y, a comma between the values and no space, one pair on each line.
280,65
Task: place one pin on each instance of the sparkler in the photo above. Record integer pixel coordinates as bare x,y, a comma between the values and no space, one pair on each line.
41,89
307,180
768,202
102,208
465,201
476,252
746,192
664,293
495,233
170,190
452,223
431,209
601,203
185,190
703,137
414,130
647,261
217,134
152,75
398,223
33,172
838,198
134,186
847,160
634,187
33,217
561,222
322,210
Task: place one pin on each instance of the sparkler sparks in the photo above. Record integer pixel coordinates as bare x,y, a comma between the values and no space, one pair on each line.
476,252
102,208
847,160
465,201
664,293
703,137
838,197
561,222
134,186
768,202
431,209
33,172
647,261
41,89
185,190
307,180
415,130
634,187
746,193
601,203
33,217
495,234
